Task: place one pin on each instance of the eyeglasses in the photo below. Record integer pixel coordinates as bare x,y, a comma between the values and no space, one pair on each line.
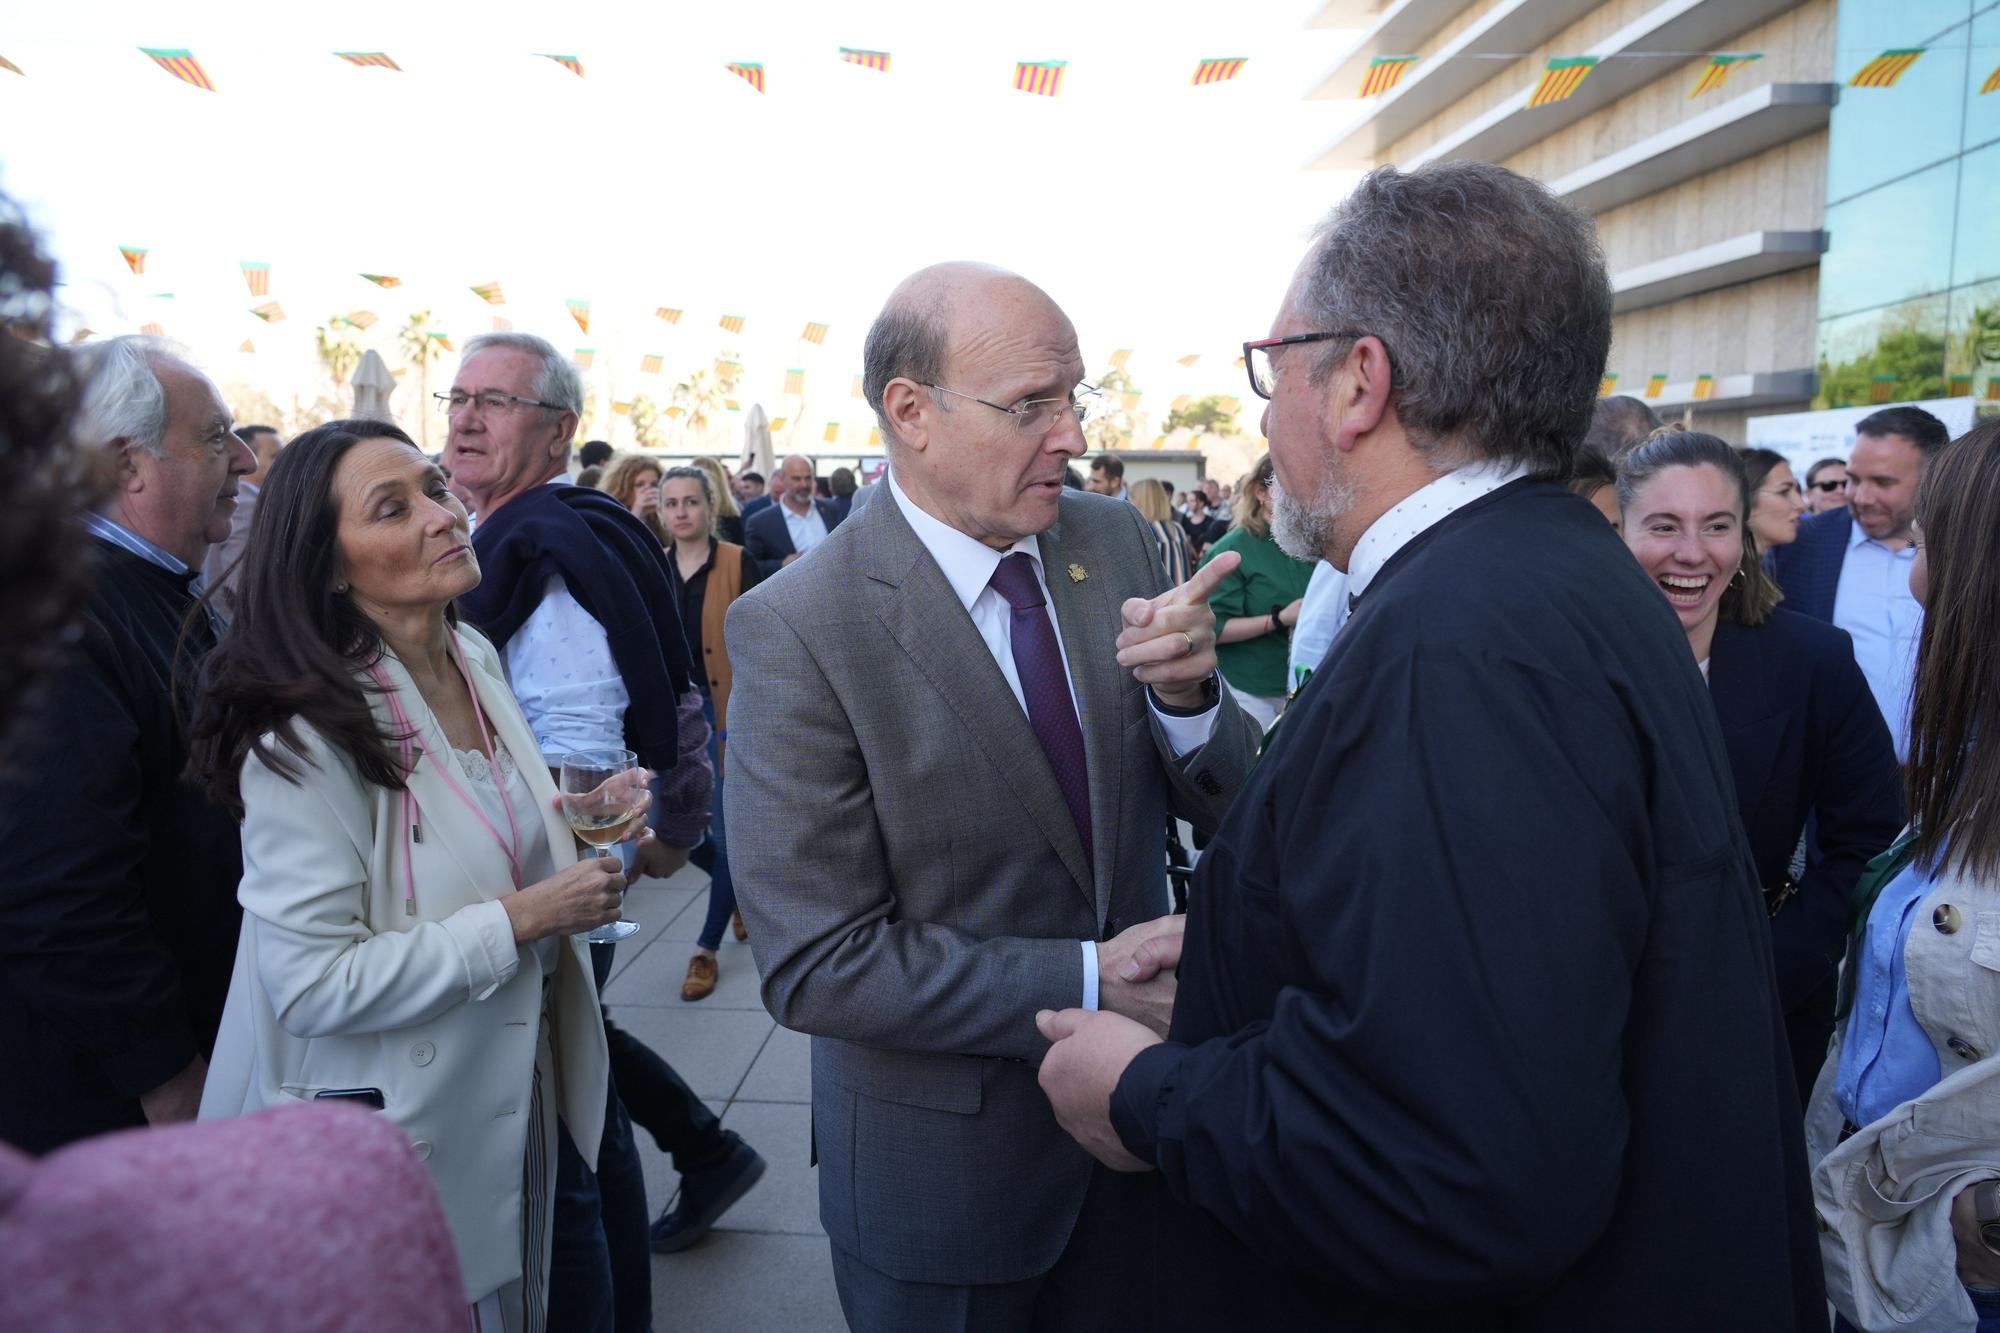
1038,416
1257,356
490,402
1829,487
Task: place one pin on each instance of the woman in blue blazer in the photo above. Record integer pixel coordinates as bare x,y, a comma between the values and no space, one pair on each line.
1817,785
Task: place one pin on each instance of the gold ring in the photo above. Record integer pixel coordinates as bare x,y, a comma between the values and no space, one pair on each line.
1190,643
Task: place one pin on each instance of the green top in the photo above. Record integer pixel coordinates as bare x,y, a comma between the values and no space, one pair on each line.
1268,580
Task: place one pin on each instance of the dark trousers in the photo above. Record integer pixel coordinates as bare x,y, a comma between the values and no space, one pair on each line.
1096,1284
663,1105
713,854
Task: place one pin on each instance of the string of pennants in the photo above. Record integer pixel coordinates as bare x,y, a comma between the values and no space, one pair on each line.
1042,78
1562,77
1881,390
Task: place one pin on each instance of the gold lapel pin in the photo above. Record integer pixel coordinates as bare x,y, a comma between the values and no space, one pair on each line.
1077,573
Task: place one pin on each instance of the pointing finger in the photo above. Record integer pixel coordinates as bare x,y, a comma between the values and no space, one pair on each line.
1205,581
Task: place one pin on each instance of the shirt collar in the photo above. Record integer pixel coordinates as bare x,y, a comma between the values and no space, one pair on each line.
968,563
1858,536
119,535
1420,510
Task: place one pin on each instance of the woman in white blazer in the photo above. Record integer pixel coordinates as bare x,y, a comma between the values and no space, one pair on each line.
411,894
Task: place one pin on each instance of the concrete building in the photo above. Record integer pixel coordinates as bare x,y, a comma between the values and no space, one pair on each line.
1711,208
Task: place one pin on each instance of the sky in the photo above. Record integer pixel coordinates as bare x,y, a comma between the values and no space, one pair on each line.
1163,217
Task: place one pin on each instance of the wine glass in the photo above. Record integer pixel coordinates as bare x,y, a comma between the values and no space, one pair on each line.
603,791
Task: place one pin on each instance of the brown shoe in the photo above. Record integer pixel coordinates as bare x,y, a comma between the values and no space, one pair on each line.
700,978
736,927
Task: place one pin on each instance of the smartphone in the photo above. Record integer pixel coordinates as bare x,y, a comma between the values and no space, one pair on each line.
369,1097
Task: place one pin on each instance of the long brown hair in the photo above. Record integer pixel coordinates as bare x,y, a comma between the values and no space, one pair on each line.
621,482
1954,772
1752,594
1247,511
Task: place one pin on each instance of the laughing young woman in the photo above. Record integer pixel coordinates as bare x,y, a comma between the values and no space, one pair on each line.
1790,701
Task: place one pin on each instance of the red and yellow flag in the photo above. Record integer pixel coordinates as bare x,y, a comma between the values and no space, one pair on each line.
749,71
815,333
583,356
668,313
1959,387
1656,384
733,323
490,293
1043,78
856,391
580,312
1704,388
1718,70
1130,401
1992,84
153,330
875,437
258,275
832,433
1559,82
1178,403
795,381
359,319
570,63
379,59
867,59
1881,388
246,346
623,409
270,312
1189,359
1217,69
777,425
650,363
5,63
1120,357
1384,73
1885,69
502,324
135,257
180,63
383,280
730,404
1608,385
727,371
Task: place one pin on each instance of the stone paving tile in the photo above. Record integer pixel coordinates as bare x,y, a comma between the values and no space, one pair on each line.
787,1198
735,1282
712,1049
654,977
783,1070
654,904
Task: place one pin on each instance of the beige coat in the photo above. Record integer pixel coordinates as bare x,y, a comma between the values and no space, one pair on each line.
336,986
1884,1196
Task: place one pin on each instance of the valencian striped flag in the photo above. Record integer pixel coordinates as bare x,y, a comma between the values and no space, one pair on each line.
490,293
622,409
359,319
1881,388
5,63
1608,385
832,435
1189,359
1217,69
1992,84
856,390
815,333
153,330
502,324
383,280
777,425
570,63
1120,357
1704,388
582,357
668,313
874,437
1043,78
1178,403
730,404
749,71
270,312
1718,71
182,65
1131,401
734,323
1384,73
246,346
443,340
676,412
1885,69
1559,82
795,381
1656,384
1960,387
379,59
135,257
726,371
650,363
580,312
258,275
871,59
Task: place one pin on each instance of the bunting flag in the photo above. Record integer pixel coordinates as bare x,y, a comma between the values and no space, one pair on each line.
749,71
383,280
5,63
856,391
727,371
1704,388
258,275
580,312
1656,384
152,330
82,335
443,340
570,63
795,381
358,319
832,434
163,296
815,333
1608,385
1178,403
1230,405
270,312
1960,387
1159,442
622,409
1189,359
875,437
668,313
502,324
1120,357
1881,388
1131,401
650,363
490,293
1217,69
182,65
1043,78
135,257
583,356
733,323
1992,84
247,346
1884,70
1239,363
1559,82
867,59
778,424
379,59
1718,71
1384,73
730,404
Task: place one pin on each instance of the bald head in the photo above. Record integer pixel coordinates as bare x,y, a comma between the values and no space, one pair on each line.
797,483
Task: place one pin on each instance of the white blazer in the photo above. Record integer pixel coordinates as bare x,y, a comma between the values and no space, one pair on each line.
336,986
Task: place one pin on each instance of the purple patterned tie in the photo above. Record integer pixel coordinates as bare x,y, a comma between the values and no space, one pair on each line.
1045,686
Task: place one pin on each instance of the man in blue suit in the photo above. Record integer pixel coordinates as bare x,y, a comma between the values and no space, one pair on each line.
780,533
1851,566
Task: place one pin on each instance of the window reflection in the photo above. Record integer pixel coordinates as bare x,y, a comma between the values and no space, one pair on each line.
1972,347
1894,354
1890,245
1880,133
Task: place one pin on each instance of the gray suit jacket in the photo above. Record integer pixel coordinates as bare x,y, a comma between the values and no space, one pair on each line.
915,888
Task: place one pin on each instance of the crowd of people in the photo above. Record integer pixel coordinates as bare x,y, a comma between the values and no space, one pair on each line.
1593,925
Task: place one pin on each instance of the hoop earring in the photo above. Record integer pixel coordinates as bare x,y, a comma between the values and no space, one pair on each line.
1736,580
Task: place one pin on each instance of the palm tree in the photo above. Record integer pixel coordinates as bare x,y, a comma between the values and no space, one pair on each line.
1113,426
419,350
338,352
701,397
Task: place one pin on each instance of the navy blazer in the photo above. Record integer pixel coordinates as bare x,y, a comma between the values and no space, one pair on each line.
1809,568
768,540
1805,741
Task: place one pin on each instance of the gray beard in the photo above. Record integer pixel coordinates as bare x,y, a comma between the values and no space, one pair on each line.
1305,531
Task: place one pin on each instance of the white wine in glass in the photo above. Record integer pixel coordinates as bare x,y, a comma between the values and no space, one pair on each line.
603,792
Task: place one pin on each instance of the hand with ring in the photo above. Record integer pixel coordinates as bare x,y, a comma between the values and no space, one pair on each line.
1169,640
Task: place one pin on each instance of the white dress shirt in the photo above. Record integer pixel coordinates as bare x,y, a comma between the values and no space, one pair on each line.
1873,604
1419,511
807,530
968,565
560,665
1321,614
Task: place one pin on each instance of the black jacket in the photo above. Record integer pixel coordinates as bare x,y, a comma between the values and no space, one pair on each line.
1476,1027
768,541
118,914
1804,740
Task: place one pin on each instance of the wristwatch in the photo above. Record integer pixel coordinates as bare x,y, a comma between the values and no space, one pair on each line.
1986,1208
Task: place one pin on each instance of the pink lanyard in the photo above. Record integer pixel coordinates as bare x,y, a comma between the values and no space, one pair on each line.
412,828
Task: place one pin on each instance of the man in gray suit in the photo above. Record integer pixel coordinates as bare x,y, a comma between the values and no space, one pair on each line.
966,719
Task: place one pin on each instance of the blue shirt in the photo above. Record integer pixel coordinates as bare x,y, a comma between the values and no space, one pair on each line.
119,535
1873,604
1886,1058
